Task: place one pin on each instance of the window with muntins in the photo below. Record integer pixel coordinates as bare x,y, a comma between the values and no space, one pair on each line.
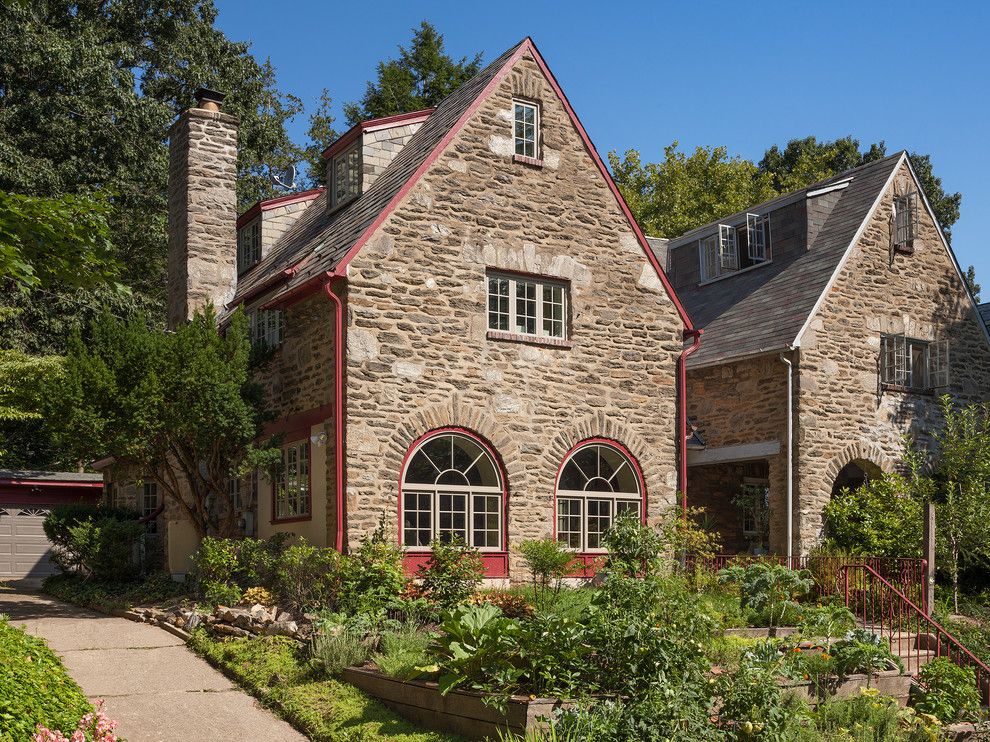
915,365
248,245
735,247
292,487
347,175
452,488
267,328
905,220
527,306
597,483
526,130
149,504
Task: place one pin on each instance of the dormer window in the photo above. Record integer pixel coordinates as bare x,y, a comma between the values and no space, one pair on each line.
526,122
248,245
346,183
905,221
735,247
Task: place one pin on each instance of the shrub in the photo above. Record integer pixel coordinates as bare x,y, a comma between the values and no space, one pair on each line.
547,560
335,652
881,518
306,575
401,653
220,593
769,590
373,577
258,596
511,604
452,572
34,687
97,541
633,547
257,559
826,622
947,691
868,717
215,563
752,701
95,726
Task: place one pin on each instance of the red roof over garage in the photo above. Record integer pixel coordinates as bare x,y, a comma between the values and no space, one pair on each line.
48,487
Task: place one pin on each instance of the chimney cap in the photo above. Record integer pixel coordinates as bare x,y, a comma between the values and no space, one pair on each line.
209,99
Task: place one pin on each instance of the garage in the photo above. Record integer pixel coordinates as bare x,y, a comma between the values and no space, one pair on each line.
26,497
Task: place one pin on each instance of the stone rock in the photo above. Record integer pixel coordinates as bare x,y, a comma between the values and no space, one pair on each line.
282,628
222,628
230,615
193,621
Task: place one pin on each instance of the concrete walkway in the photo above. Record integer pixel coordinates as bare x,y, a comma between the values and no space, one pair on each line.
152,684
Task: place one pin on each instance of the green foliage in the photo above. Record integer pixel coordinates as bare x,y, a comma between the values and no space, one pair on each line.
320,135
306,576
881,518
633,547
401,653
974,288
105,595
867,718
681,192
826,622
373,575
178,405
806,161
422,76
948,691
453,571
547,560
863,652
512,604
334,653
768,589
96,541
752,700
34,687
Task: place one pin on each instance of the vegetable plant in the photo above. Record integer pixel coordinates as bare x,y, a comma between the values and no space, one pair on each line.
768,589
948,691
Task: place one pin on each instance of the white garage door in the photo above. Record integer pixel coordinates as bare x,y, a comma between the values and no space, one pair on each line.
23,544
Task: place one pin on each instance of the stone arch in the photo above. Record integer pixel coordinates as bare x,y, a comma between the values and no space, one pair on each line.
857,460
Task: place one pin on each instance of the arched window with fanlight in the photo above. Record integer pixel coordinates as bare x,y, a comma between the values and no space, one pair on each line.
452,486
598,481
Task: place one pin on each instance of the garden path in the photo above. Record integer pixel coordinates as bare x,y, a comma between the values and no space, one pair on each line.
152,684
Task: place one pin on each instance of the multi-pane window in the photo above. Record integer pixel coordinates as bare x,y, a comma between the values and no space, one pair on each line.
267,327
292,487
234,492
914,364
735,247
527,306
597,483
526,121
757,229
149,504
248,245
905,219
452,489
346,175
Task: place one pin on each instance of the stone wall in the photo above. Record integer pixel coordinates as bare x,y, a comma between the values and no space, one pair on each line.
202,212
419,356
844,413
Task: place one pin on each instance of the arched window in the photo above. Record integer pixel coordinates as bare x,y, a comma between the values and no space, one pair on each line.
452,487
597,482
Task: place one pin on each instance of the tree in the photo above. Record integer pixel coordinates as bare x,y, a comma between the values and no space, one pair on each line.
422,76
321,135
972,285
179,407
685,191
945,205
806,161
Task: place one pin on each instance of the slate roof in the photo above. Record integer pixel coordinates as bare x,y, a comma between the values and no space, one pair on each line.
10,475
764,309
318,240
985,313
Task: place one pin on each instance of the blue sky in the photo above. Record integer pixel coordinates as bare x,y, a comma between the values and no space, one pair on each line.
741,74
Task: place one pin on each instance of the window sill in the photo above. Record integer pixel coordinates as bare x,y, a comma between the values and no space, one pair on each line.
531,161
518,337
730,274
296,519
898,389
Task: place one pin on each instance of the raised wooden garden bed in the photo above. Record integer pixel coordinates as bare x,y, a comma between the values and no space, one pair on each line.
762,632
461,712
889,682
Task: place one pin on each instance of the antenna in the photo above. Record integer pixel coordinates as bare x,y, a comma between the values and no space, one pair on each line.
283,177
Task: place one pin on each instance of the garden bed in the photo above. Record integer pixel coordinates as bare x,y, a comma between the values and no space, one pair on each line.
761,632
891,683
461,712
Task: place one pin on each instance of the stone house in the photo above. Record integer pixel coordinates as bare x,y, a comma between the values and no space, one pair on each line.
468,333
845,296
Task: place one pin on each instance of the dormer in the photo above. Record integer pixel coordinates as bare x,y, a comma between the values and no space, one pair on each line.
259,227
360,155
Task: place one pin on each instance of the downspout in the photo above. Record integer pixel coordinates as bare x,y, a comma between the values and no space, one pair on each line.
695,336
790,459
338,404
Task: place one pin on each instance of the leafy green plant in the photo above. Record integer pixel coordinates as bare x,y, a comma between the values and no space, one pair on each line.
335,652
96,541
401,654
947,691
768,589
511,604
548,561
453,571
634,548
863,652
106,595
373,576
220,593
752,703
880,518
215,562
257,559
868,717
304,575
826,622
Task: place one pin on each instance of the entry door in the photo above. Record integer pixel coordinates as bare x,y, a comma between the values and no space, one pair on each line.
24,548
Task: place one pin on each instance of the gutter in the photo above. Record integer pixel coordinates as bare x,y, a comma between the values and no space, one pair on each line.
695,336
338,400
790,458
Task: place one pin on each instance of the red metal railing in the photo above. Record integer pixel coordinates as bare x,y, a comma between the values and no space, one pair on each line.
908,575
913,634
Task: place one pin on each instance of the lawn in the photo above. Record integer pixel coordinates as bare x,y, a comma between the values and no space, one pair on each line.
276,671
34,687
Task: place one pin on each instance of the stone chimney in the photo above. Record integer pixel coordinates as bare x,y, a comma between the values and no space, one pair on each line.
202,208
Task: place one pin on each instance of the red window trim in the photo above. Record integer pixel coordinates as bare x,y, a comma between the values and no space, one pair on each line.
309,459
496,563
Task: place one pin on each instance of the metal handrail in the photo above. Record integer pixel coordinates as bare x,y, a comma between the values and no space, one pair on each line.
900,616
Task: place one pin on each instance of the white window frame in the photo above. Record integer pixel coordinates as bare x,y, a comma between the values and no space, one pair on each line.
708,257
546,293
898,369
149,493
615,501
345,175
248,245
291,492
266,327
757,237
524,141
905,219
728,249
435,494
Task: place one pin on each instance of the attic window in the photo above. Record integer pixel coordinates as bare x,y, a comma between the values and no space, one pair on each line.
907,364
346,171
905,221
248,245
526,123
735,247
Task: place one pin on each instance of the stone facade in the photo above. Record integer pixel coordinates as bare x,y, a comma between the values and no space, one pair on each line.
202,212
419,356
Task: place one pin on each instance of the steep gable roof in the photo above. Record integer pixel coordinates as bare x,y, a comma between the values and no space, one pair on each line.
766,309
320,244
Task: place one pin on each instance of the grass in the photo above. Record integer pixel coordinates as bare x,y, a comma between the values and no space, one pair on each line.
105,596
34,687
276,671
